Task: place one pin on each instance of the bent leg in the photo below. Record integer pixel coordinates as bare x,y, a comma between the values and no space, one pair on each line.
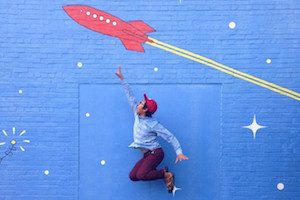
133,173
147,169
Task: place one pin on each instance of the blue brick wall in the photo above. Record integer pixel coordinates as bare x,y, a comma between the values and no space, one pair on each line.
39,50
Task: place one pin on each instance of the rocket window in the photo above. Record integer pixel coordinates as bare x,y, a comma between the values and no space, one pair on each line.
101,18
108,20
114,23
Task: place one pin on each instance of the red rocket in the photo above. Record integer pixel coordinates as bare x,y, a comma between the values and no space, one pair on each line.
132,34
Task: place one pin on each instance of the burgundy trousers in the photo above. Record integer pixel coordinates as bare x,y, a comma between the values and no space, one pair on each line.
145,169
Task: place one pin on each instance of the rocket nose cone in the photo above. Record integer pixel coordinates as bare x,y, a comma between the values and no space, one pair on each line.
72,7
72,10
67,8
75,12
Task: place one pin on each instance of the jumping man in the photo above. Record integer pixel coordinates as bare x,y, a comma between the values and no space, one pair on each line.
145,132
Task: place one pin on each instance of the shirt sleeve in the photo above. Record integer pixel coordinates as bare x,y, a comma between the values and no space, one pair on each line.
168,136
129,94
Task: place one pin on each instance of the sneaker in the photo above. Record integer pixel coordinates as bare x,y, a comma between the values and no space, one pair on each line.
169,179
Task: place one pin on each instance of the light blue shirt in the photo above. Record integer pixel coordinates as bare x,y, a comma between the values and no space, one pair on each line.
146,129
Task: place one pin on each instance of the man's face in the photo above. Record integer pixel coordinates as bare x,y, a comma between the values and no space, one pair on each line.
139,108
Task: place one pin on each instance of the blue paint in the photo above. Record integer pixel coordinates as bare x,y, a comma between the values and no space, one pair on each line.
39,50
190,112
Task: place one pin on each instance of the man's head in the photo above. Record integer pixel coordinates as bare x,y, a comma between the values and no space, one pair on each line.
146,107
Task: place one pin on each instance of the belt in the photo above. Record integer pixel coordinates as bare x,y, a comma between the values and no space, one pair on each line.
147,152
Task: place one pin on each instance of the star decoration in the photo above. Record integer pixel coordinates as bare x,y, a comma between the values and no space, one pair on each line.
254,127
175,189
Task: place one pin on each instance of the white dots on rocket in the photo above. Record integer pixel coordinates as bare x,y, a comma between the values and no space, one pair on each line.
88,13
101,18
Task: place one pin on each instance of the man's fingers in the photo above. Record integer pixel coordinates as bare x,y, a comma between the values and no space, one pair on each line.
119,70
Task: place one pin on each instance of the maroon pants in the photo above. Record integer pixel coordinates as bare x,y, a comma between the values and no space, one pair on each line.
145,169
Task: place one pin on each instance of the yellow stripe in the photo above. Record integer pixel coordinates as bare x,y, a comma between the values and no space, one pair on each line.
226,67
225,70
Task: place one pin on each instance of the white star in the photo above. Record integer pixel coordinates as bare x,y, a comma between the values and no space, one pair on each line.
254,127
175,189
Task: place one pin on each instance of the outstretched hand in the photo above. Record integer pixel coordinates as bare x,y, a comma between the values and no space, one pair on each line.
119,73
181,157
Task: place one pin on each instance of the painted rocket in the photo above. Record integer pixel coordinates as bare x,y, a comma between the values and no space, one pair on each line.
132,34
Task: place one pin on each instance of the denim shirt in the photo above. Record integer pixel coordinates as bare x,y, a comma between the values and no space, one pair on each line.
146,129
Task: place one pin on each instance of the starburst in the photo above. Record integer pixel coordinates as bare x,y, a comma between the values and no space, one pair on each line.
14,141
175,189
254,127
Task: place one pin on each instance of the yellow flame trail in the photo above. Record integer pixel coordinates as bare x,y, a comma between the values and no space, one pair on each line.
224,68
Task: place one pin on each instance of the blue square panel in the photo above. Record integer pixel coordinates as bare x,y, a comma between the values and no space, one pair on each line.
190,111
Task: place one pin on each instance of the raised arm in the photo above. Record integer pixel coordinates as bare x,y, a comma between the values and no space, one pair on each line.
170,138
129,94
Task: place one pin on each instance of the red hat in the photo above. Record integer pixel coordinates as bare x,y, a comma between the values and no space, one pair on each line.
151,104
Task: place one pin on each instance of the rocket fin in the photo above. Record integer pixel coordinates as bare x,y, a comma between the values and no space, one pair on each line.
142,26
132,45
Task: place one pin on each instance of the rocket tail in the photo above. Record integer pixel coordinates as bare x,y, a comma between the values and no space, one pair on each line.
142,26
133,45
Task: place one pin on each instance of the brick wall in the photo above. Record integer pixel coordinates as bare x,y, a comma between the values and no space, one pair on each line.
40,47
